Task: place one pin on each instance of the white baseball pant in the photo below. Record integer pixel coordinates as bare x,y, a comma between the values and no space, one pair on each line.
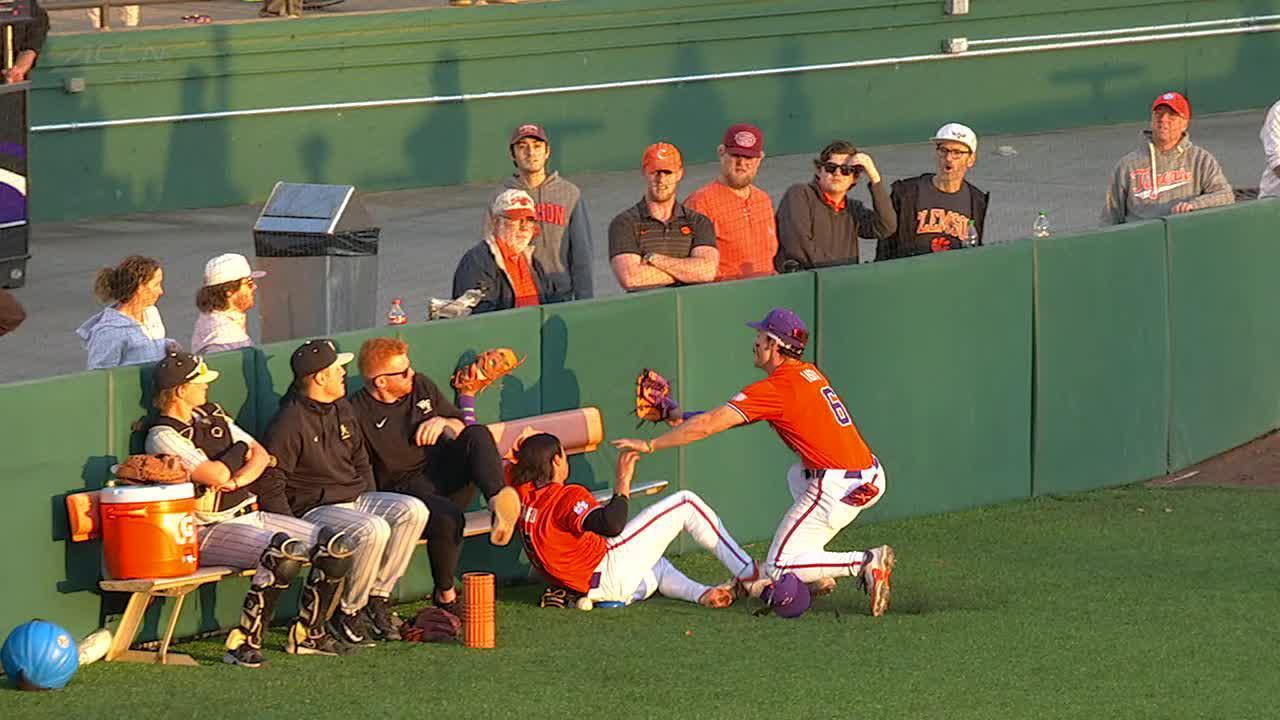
825,502
634,568
239,542
385,528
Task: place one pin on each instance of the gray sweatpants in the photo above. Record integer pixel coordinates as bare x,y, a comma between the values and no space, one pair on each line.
385,528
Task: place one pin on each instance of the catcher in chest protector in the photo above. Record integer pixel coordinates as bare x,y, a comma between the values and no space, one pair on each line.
423,445
591,550
195,438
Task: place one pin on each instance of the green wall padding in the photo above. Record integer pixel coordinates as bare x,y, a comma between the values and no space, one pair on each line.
932,357
1225,291
741,473
1102,358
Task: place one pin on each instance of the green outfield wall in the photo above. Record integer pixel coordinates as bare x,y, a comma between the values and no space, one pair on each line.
438,53
1045,366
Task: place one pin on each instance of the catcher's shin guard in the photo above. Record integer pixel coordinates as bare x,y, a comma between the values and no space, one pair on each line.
279,565
330,563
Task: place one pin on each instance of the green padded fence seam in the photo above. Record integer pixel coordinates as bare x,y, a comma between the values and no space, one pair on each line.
1168,339
1035,363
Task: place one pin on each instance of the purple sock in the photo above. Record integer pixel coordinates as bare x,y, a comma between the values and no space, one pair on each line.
467,404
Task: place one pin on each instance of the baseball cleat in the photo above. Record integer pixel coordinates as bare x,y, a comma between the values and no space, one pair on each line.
720,596
299,642
244,656
822,586
875,578
505,506
350,629
381,619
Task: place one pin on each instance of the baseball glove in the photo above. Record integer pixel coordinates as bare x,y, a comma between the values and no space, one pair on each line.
432,624
151,470
490,365
653,397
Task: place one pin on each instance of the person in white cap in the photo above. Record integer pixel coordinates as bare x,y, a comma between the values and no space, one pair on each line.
935,209
502,266
224,299
1270,185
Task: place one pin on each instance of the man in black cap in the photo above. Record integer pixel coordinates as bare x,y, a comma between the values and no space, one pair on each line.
225,463
322,474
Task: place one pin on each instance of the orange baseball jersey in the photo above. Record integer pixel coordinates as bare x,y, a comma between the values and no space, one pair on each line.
551,526
798,401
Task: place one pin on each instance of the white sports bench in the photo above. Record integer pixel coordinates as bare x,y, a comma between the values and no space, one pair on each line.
580,431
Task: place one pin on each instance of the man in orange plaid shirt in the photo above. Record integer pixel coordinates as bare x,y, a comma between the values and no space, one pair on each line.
746,232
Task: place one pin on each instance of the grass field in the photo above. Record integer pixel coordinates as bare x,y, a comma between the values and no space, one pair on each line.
1127,603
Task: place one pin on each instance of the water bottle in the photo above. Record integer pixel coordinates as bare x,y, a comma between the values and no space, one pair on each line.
971,235
396,315
1041,228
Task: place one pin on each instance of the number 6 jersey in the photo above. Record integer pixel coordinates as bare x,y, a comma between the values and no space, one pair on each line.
799,402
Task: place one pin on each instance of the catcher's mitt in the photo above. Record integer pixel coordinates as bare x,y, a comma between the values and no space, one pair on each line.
432,624
151,470
653,397
490,365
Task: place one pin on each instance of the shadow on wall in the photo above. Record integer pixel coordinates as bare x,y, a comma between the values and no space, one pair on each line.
203,148
675,103
437,149
560,389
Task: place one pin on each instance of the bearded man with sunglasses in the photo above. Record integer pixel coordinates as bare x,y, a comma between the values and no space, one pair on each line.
818,225
935,209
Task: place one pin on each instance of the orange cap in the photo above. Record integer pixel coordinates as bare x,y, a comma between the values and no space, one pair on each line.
661,156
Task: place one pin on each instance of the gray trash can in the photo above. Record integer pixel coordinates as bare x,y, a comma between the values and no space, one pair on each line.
319,247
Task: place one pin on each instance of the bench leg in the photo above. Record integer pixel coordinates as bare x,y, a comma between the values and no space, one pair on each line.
168,631
129,625
132,622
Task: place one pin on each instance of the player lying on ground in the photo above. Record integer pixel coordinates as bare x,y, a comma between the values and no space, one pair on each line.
225,463
592,550
837,476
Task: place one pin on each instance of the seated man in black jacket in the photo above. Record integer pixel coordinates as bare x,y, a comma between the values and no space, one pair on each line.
592,550
420,447
322,474
502,266
818,225
935,210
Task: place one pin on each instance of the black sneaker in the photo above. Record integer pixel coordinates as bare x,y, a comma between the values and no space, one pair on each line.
244,656
381,619
454,606
300,643
350,629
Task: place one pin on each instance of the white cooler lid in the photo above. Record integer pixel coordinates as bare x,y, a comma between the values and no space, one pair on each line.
146,493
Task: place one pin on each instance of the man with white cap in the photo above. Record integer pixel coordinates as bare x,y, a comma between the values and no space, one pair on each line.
223,300
935,210
502,266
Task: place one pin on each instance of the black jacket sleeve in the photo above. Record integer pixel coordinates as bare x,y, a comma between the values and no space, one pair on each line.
474,272
608,520
285,445
11,312
879,222
31,35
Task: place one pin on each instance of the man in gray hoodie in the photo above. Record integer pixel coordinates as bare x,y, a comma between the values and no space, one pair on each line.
1167,175
563,243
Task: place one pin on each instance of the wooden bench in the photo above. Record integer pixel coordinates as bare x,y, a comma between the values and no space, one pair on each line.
580,431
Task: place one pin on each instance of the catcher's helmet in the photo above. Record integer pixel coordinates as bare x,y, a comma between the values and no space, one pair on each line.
787,596
39,655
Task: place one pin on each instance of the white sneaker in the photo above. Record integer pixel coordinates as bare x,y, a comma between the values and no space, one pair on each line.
875,578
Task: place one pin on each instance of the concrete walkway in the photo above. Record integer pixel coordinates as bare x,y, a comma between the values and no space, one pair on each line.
425,231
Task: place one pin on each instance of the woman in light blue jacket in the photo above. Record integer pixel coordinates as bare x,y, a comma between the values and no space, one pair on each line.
129,330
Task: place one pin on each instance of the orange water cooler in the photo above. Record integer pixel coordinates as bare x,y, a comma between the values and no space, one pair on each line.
149,531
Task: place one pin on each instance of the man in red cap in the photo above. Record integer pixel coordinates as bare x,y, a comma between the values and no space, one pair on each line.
1167,174
746,232
658,241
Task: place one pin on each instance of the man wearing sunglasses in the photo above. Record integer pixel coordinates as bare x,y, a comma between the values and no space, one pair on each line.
419,446
818,225
224,300
934,209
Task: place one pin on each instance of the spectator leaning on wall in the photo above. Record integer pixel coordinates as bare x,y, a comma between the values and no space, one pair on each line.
28,41
129,330
658,241
563,244
1270,185
818,225
746,232
1167,174
223,300
502,266
934,209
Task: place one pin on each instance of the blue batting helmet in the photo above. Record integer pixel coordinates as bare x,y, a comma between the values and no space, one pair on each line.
39,655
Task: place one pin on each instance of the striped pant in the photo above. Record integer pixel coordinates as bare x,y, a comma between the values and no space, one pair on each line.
634,567
239,542
385,527
825,502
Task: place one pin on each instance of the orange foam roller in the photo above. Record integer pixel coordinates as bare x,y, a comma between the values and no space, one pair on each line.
478,627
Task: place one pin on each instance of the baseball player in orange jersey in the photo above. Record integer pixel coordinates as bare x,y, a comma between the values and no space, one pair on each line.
837,476
591,549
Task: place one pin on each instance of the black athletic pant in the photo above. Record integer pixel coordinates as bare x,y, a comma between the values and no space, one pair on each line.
447,484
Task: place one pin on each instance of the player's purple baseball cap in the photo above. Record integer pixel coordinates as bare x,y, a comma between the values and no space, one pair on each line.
785,326
787,596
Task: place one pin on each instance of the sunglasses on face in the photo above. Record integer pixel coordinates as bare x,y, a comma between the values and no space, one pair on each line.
832,168
402,374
